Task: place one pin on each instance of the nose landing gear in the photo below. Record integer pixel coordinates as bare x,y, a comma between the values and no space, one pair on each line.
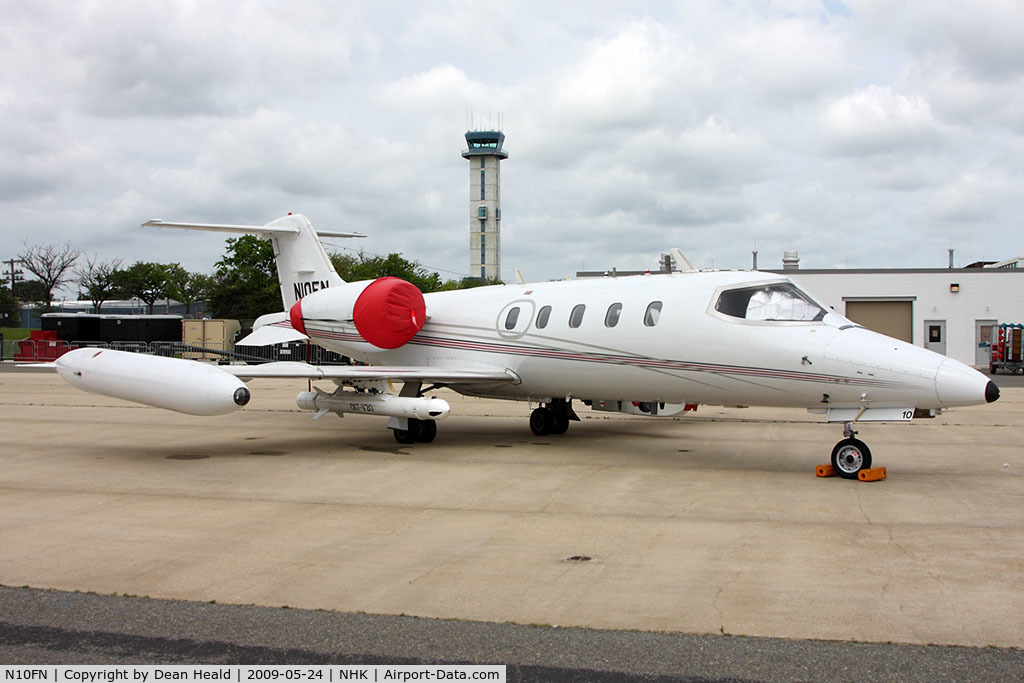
851,455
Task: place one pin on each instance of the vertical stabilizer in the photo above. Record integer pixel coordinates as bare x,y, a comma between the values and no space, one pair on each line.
302,264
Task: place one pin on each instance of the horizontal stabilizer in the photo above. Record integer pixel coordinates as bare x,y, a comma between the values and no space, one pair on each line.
262,230
271,335
271,329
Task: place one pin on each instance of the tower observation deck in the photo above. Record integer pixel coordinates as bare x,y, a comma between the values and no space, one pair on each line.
485,154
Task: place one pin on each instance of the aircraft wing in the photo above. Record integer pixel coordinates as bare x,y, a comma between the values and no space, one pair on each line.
287,369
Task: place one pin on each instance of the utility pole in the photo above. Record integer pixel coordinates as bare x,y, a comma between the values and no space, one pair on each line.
11,273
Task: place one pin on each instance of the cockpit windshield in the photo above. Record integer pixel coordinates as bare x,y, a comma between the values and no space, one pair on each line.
777,301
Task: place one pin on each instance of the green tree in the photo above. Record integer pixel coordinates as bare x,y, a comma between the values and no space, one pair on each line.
145,280
186,287
31,290
245,285
97,280
467,283
10,311
355,267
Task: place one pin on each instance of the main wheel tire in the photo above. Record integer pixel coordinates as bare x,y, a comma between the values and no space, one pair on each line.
541,421
405,436
427,431
849,457
560,424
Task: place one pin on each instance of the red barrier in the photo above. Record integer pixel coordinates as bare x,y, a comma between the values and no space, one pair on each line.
41,346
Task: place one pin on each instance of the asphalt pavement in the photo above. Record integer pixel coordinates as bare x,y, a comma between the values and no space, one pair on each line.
47,627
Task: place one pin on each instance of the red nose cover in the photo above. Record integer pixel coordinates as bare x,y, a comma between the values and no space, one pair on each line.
295,315
389,312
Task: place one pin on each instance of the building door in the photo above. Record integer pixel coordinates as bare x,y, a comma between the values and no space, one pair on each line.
984,335
935,336
892,318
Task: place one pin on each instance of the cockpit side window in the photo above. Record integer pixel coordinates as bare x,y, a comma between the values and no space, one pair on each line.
776,302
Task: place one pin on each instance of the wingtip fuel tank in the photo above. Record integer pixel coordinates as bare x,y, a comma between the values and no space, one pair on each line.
183,386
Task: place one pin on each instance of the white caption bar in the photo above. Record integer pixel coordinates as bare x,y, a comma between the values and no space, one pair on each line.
238,673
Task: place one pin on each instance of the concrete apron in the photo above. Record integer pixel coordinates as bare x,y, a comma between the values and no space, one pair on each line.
704,524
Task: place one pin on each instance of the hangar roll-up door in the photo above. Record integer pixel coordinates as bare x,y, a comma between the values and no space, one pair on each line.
893,318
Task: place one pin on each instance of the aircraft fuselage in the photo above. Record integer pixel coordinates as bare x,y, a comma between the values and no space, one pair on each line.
602,339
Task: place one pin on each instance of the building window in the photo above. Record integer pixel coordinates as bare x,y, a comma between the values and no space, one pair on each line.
542,317
482,160
483,188
653,314
483,226
611,318
576,317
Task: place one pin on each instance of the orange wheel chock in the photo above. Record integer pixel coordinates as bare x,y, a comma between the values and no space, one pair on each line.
872,474
826,471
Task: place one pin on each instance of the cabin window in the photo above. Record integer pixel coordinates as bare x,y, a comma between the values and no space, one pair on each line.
542,317
653,314
576,317
512,318
774,302
611,318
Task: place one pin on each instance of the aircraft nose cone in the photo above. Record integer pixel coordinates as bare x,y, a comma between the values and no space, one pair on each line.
958,384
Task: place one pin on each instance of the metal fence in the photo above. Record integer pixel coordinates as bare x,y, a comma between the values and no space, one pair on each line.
30,351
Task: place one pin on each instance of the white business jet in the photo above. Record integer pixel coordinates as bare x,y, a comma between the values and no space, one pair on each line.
650,345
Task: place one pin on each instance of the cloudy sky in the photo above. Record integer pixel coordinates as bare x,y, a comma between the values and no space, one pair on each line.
862,133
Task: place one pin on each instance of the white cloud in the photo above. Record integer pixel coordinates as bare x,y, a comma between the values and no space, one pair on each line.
832,128
878,120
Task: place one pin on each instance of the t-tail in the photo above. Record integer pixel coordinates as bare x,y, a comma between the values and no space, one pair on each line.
303,266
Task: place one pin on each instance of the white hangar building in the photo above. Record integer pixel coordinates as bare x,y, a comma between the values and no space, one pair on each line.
953,311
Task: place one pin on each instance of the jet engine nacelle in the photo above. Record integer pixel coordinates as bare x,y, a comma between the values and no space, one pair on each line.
181,385
387,312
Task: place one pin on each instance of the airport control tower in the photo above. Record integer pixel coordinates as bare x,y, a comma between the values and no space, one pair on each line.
485,155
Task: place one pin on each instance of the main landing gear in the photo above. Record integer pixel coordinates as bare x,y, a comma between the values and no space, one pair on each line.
553,417
851,455
423,431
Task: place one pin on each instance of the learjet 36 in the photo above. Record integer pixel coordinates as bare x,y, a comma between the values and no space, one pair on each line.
650,345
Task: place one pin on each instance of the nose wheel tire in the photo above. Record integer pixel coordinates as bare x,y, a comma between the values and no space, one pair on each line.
849,457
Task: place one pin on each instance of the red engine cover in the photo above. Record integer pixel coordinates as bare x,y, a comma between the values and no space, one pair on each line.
389,312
